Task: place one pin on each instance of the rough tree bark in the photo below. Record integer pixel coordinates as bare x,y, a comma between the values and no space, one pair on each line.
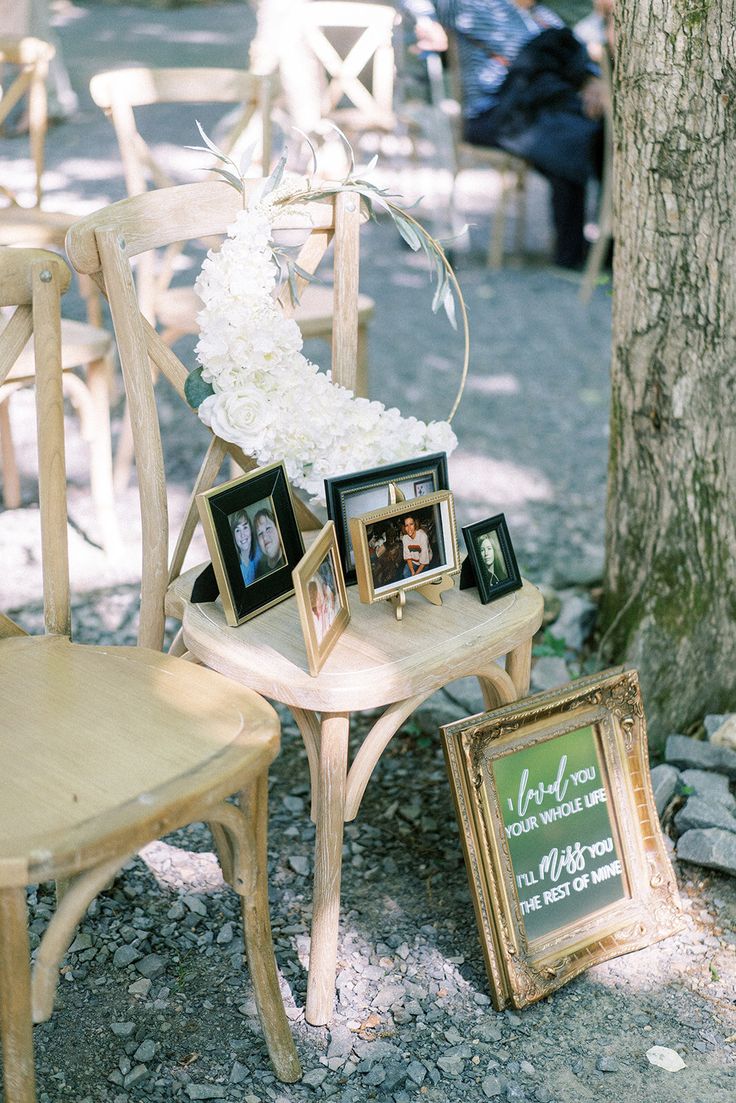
670,587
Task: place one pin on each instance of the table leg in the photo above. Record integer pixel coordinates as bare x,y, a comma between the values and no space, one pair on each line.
519,667
333,763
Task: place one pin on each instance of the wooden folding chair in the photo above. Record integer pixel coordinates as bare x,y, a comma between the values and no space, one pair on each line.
352,43
85,346
105,749
374,664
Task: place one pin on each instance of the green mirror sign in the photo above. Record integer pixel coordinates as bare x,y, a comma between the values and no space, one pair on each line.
557,823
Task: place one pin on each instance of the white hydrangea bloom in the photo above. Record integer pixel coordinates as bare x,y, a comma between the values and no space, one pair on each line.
268,398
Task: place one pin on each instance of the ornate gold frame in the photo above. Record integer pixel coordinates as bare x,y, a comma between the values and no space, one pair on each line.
522,971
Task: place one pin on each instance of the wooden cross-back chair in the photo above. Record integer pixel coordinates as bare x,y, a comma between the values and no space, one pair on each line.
377,663
352,43
105,749
85,345
31,56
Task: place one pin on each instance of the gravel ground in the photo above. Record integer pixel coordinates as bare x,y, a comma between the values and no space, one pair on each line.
154,1003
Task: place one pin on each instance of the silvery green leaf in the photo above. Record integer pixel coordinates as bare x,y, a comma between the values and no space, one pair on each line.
409,234
247,158
370,166
276,176
231,178
212,147
195,388
310,276
293,285
448,303
349,148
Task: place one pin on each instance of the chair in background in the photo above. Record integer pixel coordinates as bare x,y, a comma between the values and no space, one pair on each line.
352,44
104,749
372,666
511,171
85,346
174,309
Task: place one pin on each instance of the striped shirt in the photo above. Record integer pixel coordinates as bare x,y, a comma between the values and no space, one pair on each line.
489,34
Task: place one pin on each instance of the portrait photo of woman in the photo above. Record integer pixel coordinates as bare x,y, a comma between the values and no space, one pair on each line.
249,553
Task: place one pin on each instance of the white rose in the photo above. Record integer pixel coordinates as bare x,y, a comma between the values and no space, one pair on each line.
243,419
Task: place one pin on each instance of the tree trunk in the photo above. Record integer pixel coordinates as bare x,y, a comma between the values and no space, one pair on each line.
669,604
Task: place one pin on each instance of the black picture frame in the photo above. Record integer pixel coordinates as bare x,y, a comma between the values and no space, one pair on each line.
363,491
493,533
265,490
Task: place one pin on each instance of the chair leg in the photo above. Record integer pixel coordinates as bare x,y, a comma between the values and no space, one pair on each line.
123,462
259,941
519,667
498,228
333,762
361,363
101,477
11,480
15,1004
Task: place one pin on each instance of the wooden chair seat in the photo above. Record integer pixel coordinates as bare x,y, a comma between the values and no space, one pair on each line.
371,665
81,344
130,743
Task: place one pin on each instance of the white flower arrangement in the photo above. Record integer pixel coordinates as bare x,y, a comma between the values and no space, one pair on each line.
261,391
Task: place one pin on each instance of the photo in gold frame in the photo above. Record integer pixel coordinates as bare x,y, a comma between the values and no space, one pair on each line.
563,848
321,597
405,545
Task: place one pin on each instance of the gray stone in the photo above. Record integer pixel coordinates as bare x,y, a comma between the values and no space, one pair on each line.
293,804
140,987
416,1072
709,786
713,848
395,1075
375,1076
299,863
125,955
664,783
239,1073
195,904
688,753
206,1091
451,1064
136,1076
152,965
549,671
122,1030
314,1077
83,941
606,1063
491,1086
145,1051
697,812
386,997
225,934
725,734
341,1041
713,722
576,619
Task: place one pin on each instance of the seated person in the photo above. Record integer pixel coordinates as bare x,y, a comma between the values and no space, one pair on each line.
528,88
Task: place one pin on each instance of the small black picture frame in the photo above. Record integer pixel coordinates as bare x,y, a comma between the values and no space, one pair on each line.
363,491
253,539
491,555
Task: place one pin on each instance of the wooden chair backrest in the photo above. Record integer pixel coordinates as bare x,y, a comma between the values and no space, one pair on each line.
119,92
326,27
102,245
32,57
33,281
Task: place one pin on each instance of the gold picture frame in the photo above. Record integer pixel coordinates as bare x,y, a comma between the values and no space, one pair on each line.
321,597
383,571
596,882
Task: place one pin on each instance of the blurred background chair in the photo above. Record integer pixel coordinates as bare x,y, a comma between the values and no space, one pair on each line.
510,172
105,749
85,345
600,247
371,666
